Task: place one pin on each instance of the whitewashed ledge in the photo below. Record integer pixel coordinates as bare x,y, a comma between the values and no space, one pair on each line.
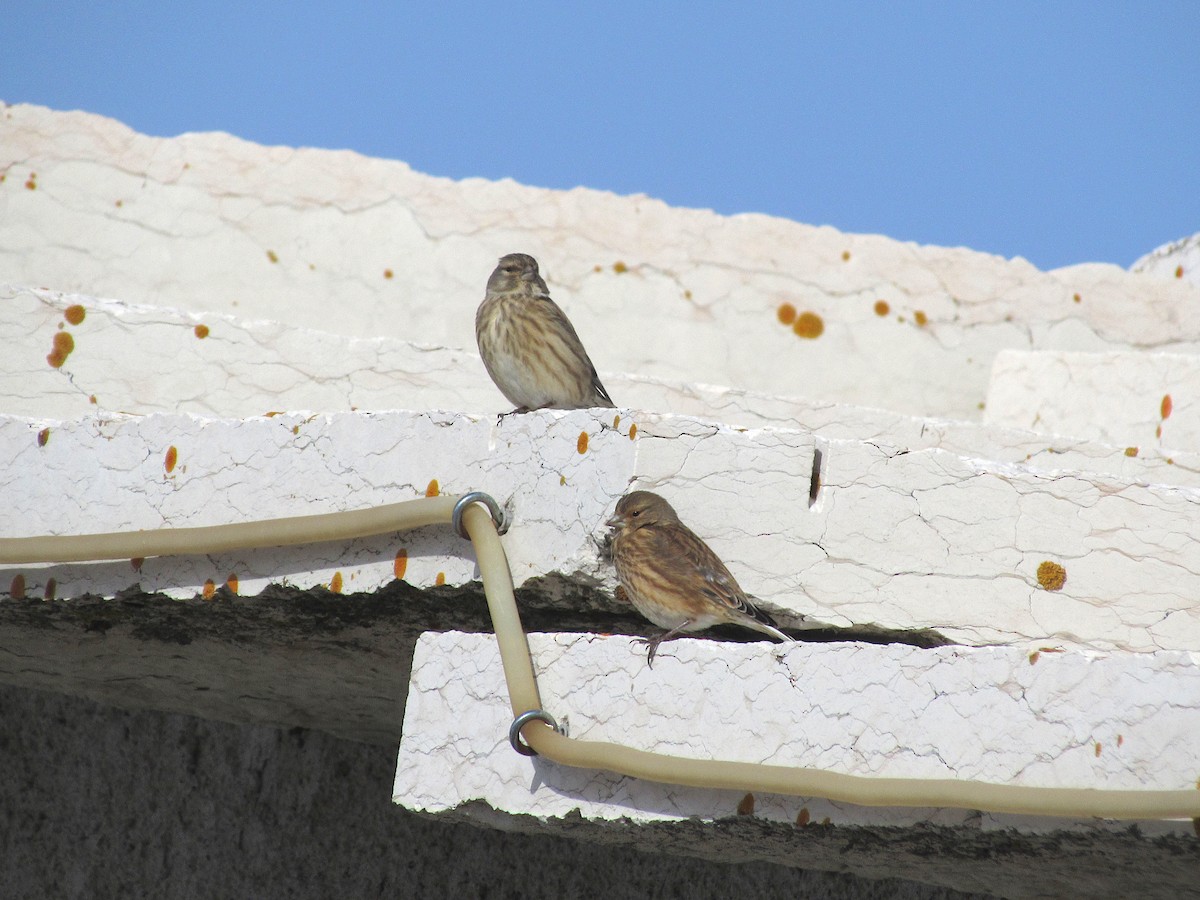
1144,401
219,366
213,224
989,714
982,552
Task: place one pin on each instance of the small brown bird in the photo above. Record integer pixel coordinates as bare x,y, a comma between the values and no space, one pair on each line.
528,344
672,577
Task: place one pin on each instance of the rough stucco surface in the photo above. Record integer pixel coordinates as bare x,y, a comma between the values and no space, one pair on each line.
204,809
1139,400
208,223
986,714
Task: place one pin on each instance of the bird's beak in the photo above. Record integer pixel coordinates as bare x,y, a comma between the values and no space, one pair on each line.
616,521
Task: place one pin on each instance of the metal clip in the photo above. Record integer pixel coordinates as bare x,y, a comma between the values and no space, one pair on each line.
487,500
514,730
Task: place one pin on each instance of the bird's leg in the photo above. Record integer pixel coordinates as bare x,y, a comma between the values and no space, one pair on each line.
652,643
512,412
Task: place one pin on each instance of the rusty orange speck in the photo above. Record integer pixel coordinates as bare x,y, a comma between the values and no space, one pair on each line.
74,314
803,817
231,582
201,331
335,583
433,489
1051,576
786,313
746,806
1166,406
882,308
51,587
210,589
620,267
172,457
16,590
43,437
136,563
1131,451
581,443
809,325
920,318
440,579
633,431
400,563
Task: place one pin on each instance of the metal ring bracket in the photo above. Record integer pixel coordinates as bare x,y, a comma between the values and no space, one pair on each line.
487,500
514,730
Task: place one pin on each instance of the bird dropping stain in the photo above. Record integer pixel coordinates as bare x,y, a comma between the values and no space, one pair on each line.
1051,576
433,489
400,563
582,443
74,314
172,457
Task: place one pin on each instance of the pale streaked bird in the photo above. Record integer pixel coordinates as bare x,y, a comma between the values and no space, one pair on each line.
672,577
528,344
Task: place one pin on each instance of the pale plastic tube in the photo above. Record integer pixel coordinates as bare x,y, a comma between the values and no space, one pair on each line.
219,538
523,690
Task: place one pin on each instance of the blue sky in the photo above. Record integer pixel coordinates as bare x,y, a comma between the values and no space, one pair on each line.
1062,132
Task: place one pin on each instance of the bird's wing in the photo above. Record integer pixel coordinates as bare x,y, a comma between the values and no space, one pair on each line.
575,345
700,569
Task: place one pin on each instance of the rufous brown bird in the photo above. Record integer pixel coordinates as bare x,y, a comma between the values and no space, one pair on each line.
672,577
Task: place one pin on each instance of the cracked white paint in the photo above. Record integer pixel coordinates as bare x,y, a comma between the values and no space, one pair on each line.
211,224
899,539
991,714
1179,259
1145,401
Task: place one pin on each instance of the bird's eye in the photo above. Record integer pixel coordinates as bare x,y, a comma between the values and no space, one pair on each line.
635,513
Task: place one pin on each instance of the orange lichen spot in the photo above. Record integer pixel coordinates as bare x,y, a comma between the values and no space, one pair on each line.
272,256
118,204
687,295
74,314
440,579
1170,461
1077,298
231,582
803,817
980,405
92,399
335,583
1034,657
63,345
809,325
920,318
582,442
845,256
616,422
1158,431
1098,745
209,589
745,806
1051,576
387,273
562,480
633,431
16,590
882,308
1131,451
136,563
51,587
31,181
312,267
1179,271
295,429
1164,408
201,331
432,490
171,458
1120,739
786,313
620,267
597,268
43,437
400,563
